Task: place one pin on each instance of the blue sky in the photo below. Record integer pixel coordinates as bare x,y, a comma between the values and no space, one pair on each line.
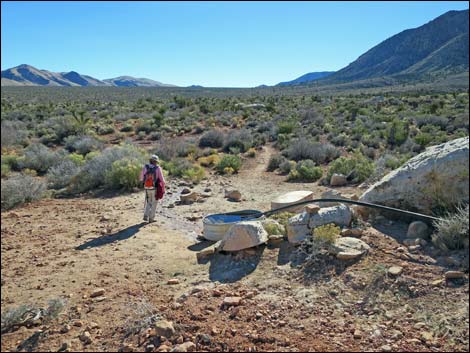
214,44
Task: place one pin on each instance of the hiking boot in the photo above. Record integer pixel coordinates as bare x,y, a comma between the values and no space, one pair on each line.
152,220
146,218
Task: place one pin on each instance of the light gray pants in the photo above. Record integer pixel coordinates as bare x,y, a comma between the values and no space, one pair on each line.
150,204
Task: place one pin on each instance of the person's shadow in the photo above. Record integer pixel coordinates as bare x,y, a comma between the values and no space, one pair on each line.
112,238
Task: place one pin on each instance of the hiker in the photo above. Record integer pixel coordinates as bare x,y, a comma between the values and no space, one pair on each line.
154,185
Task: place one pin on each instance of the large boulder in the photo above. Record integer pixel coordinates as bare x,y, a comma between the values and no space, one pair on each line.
301,225
244,235
290,198
436,177
338,180
347,248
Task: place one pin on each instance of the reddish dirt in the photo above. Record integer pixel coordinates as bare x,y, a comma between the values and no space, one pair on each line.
66,248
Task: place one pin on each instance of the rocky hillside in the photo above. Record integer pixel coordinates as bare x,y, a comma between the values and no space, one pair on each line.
440,46
27,75
311,76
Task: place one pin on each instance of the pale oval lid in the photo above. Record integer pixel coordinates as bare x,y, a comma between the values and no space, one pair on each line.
292,196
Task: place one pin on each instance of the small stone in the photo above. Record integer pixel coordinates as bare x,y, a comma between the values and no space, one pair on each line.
437,282
395,270
163,348
149,347
312,209
164,328
173,281
233,195
357,334
418,229
85,337
184,347
78,323
97,292
454,275
338,180
275,239
352,232
65,329
386,348
65,347
427,336
126,348
185,191
232,301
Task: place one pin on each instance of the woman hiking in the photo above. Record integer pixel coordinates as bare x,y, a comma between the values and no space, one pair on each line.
154,185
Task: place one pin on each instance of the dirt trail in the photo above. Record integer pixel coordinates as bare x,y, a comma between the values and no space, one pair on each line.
69,247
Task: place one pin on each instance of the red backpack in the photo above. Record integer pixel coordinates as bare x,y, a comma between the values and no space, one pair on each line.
150,176
160,190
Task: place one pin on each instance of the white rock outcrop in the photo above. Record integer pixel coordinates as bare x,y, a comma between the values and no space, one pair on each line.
437,176
301,225
347,248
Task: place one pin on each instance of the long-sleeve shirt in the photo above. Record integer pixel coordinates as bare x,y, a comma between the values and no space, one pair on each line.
159,173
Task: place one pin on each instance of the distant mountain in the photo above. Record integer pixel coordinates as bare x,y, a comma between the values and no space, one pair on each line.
27,75
195,86
129,81
438,47
312,76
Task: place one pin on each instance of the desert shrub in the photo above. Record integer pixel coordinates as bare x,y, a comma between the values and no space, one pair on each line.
155,136
274,162
439,121
12,133
77,159
144,126
285,127
184,149
339,140
423,139
40,158
209,161
82,144
127,128
124,174
6,169
251,153
286,166
396,132
274,229
326,234
166,149
60,127
305,171
318,152
104,129
283,217
60,175
194,174
93,173
229,161
452,231
358,166
212,138
12,161
177,166
241,140
20,189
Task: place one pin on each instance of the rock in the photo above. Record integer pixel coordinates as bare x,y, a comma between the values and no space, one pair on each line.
185,191
418,229
340,215
164,328
312,209
427,336
275,239
290,198
184,347
330,194
97,292
454,275
65,347
347,248
173,281
300,225
232,301
126,348
438,175
437,282
65,329
357,334
163,348
149,348
233,195
244,235
85,337
386,348
338,180
395,270
352,232
189,198
208,251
